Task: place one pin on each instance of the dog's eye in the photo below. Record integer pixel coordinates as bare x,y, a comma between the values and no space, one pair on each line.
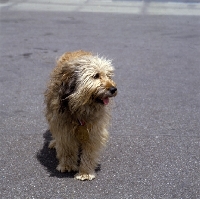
96,76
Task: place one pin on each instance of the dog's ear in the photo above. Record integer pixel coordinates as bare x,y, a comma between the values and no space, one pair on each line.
66,89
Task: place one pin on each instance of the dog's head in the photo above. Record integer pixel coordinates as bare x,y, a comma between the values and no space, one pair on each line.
87,80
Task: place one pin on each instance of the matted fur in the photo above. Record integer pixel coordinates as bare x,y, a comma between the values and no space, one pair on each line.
78,112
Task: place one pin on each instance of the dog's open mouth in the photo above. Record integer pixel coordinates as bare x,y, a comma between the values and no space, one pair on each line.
103,101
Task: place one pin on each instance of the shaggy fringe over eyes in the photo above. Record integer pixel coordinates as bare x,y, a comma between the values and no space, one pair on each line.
94,62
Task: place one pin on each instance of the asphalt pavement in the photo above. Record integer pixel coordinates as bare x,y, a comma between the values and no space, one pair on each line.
154,147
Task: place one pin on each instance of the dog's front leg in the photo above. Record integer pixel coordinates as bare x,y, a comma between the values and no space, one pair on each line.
89,160
88,163
67,154
92,146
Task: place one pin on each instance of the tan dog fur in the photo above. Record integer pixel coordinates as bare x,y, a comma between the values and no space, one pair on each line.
78,112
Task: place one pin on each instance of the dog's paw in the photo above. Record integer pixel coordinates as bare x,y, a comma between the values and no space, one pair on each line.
52,144
85,176
61,168
71,168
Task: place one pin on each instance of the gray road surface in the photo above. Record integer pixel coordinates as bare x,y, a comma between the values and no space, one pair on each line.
154,149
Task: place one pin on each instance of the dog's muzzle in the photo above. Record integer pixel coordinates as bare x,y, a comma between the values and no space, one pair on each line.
109,92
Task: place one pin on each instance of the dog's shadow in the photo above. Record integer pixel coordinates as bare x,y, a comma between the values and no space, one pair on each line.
47,157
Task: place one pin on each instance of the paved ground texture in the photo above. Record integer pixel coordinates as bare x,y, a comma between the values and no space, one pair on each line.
154,149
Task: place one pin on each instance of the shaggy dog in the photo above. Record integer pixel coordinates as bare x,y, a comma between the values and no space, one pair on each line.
77,110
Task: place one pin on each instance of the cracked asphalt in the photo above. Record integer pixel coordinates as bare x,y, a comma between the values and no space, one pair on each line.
154,147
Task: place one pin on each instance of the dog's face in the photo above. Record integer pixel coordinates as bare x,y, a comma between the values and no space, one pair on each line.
89,82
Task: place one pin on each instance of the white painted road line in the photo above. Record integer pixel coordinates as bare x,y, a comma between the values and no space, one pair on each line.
107,6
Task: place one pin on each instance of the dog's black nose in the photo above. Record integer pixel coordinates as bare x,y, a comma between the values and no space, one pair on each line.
113,89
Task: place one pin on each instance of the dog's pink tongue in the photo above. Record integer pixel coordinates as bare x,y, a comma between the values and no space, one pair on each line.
105,100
